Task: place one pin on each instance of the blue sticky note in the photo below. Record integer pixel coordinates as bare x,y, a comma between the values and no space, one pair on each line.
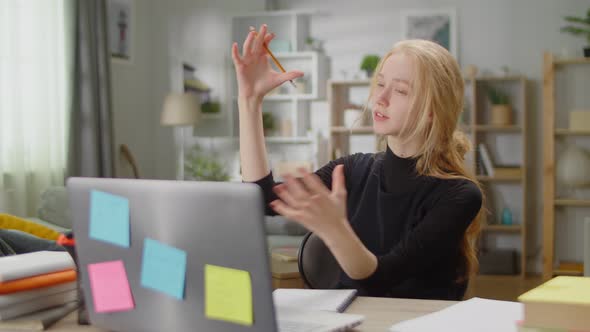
163,268
109,218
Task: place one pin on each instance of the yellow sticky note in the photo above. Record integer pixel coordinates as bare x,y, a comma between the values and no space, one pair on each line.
228,295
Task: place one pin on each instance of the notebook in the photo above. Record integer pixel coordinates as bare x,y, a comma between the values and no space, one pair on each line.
35,263
7,300
336,300
33,305
40,320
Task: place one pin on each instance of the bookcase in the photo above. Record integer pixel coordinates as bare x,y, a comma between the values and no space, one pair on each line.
499,160
341,101
563,210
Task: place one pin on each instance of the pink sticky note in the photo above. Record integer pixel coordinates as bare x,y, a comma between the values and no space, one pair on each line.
110,287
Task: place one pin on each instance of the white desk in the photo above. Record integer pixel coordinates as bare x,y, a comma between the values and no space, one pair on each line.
380,314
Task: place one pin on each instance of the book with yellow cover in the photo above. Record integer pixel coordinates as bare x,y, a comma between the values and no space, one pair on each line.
562,302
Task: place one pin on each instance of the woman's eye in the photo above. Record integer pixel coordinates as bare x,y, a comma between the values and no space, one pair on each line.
401,92
380,85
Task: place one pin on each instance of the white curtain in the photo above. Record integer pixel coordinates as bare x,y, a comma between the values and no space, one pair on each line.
36,53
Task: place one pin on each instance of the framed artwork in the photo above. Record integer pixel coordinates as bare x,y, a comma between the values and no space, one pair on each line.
438,25
121,29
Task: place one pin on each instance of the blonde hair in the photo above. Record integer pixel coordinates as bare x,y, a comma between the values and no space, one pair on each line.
436,103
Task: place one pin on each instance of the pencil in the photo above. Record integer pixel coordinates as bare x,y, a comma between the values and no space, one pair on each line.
274,59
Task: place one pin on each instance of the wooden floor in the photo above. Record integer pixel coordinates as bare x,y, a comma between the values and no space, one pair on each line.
506,288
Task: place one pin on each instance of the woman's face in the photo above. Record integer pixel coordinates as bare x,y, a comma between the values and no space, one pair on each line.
391,97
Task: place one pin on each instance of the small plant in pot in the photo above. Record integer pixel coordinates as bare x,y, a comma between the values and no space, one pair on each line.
268,123
501,109
580,27
201,166
369,64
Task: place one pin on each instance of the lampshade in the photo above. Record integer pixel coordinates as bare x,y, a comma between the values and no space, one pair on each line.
181,109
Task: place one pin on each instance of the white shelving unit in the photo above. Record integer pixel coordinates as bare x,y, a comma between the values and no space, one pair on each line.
289,105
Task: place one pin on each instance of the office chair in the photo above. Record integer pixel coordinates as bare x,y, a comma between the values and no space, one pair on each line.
319,269
317,266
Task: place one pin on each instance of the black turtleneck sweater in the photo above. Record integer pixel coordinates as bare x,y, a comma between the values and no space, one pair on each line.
413,224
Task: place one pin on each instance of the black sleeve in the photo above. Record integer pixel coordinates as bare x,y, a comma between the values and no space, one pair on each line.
431,241
324,173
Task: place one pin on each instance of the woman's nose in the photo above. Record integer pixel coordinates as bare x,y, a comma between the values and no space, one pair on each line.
383,98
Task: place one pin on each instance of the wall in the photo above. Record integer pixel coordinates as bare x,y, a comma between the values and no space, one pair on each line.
167,33
132,103
490,34
198,32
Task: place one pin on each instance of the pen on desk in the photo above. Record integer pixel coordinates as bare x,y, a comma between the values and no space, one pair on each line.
274,59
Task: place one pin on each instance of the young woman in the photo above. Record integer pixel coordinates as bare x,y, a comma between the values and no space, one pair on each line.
403,222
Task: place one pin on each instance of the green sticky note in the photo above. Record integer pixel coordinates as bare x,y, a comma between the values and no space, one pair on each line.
228,295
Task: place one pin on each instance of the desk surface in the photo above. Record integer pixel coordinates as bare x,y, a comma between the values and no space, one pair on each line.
380,314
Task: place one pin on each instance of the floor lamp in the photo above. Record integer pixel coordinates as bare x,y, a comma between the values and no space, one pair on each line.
181,110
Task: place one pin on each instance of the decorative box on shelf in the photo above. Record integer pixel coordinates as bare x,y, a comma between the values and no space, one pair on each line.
580,120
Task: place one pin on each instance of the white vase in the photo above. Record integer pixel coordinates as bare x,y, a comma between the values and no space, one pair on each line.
573,167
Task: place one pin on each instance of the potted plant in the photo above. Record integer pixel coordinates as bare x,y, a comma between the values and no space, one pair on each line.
501,109
369,64
210,107
580,27
201,167
268,123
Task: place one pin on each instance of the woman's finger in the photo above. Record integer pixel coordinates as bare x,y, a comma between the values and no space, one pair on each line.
284,210
247,48
295,188
290,75
286,196
338,181
257,45
269,37
313,182
235,54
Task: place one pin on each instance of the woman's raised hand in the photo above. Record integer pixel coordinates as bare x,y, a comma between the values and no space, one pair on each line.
253,71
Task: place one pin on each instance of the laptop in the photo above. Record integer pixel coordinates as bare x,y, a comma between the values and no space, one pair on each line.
215,223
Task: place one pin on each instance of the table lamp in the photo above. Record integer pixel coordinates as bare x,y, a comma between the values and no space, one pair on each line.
181,110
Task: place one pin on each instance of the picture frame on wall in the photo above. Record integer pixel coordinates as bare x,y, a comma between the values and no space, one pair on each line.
121,30
438,25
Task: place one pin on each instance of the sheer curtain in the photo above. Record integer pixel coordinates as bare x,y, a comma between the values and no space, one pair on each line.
36,49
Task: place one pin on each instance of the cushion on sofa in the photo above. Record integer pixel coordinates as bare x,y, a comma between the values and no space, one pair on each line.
53,207
8,221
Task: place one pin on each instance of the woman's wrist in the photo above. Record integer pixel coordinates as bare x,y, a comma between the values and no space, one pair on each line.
250,102
339,235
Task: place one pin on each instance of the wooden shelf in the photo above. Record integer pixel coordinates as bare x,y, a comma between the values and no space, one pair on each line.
569,269
352,131
571,132
350,82
574,61
289,97
572,202
288,140
502,228
485,178
495,78
491,128
498,277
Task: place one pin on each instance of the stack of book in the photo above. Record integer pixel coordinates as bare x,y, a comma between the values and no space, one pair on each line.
562,304
36,289
486,167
